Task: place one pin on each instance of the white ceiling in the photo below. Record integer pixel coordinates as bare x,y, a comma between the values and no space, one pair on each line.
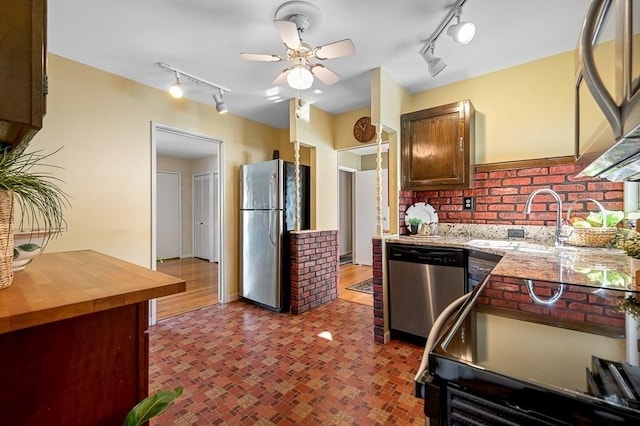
205,38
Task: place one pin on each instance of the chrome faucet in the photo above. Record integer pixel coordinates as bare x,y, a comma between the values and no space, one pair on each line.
559,236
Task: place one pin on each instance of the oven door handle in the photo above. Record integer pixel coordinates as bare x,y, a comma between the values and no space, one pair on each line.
434,334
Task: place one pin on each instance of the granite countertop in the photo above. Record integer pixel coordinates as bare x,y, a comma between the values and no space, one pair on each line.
539,260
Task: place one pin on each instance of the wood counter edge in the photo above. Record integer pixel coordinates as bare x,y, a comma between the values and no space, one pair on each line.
57,313
35,318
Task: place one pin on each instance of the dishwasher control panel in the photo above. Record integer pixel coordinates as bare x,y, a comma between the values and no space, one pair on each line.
427,255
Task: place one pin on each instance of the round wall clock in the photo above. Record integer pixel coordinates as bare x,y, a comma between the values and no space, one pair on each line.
363,130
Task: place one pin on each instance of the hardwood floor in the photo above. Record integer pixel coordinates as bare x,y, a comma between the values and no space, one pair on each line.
202,286
351,274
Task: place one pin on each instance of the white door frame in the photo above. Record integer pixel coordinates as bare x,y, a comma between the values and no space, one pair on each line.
223,290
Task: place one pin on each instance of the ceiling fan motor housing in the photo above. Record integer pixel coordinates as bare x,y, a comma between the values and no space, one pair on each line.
302,22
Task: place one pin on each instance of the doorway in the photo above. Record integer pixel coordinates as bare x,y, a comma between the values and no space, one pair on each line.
357,220
345,206
193,162
358,200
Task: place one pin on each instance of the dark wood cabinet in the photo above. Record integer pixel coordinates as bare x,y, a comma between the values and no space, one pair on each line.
438,147
22,70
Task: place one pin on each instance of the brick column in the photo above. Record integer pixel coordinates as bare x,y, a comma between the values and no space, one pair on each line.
314,269
378,292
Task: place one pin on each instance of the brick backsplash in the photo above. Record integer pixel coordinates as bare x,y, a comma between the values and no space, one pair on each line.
501,194
314,269
577,307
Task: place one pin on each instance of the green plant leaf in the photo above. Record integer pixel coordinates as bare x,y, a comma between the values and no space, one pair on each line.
151,406
28,247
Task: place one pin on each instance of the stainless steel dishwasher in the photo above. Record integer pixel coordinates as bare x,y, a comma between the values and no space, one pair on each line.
422,282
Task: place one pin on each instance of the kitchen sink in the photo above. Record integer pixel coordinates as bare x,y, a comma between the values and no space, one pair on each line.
501,244
522,246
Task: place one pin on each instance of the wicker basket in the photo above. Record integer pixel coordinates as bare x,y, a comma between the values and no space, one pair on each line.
590,237
6,238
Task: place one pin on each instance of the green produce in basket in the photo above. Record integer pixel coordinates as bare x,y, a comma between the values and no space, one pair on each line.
613,218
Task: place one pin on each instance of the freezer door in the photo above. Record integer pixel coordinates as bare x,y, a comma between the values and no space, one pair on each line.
260,278
261,185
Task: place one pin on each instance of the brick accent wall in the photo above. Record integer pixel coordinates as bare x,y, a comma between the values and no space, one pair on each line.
314,269
500,195
378,292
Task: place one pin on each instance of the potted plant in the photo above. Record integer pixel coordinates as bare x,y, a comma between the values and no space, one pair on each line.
414,224
151,406
40,202
629,241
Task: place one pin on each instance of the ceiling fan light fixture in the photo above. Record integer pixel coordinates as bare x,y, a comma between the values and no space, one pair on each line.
434,64
300,78
176,89
221,106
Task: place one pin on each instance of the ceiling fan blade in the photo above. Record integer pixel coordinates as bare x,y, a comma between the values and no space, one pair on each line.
324,74
288,33
260,57
335,50
282,78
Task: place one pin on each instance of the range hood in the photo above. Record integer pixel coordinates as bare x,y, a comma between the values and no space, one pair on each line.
620,163
608,91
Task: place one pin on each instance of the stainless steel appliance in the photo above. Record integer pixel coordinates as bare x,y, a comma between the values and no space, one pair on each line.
479,265
422,282
608,91
267,213
526,363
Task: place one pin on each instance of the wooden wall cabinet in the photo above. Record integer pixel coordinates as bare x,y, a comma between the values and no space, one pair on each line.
22,70
437,146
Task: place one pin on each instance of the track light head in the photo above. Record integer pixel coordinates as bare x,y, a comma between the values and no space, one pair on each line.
461,32
221,106
176,89
434,64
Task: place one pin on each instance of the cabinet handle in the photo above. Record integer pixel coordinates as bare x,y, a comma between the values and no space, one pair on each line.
461,143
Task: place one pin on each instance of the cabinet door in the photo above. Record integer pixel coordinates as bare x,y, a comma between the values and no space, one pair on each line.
437,147
22,68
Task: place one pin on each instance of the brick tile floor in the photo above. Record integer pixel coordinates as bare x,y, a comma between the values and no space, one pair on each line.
240,364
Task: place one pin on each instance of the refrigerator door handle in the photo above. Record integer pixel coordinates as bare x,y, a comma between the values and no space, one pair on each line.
272,190
272,227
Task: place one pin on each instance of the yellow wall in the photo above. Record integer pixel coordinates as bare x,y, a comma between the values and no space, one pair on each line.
523,112
317,133
103,122
347,159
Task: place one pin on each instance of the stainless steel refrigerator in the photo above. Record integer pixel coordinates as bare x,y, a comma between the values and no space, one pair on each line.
267,214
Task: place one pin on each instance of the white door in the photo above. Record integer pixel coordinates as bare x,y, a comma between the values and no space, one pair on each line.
168,215
365,212
202,216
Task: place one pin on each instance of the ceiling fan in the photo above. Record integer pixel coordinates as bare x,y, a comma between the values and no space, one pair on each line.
301,72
